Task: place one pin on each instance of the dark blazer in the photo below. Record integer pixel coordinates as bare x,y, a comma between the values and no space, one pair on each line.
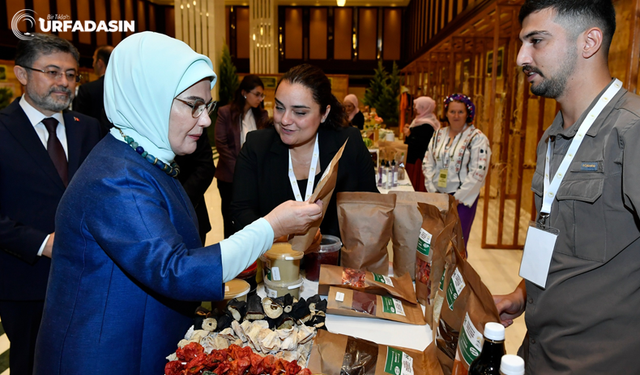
358,120
127,256
418,142
90,101
196,173
261,176
228,139
30,189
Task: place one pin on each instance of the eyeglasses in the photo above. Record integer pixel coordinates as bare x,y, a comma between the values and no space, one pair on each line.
55,74
199,106
259,94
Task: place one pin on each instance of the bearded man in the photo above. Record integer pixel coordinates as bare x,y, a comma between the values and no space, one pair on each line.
41,147
581,263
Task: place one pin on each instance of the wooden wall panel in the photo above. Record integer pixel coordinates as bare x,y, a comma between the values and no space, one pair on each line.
41,7
128,14
101,15
14,7
392,34
64,7
318,33
152,18
116,14
140,22
170,21
243,28
293,33
84,15
367,33
343,23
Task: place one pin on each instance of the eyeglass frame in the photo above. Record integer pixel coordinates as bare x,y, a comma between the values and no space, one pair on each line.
212,105
58,73
261,95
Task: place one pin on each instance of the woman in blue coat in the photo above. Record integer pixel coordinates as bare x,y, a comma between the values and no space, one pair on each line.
128,266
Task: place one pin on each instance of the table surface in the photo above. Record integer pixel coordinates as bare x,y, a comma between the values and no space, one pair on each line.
380,331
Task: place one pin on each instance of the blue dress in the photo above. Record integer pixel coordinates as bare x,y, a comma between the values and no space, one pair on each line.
127,259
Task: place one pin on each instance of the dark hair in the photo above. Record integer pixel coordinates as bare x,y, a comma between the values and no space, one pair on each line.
249,82
315,80
581,14
29,50
103,53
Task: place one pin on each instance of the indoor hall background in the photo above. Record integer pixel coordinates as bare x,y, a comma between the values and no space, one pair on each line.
460,58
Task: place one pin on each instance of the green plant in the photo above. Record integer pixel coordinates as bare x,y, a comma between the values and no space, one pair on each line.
5,97
227,85
384,92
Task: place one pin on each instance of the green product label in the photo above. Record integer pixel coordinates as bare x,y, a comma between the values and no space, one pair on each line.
456,285
391,305
424,242
470,342
398,362
382,279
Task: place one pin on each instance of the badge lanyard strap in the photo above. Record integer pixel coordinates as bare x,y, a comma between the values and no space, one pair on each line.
551,188
312,174
450,153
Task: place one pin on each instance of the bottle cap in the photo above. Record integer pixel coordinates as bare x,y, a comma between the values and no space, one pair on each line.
494,331
511,365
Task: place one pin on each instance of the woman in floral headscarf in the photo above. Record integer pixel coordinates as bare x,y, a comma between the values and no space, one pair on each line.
128,267
417,137
457,159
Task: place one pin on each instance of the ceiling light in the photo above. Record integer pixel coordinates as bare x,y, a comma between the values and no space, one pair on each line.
341,3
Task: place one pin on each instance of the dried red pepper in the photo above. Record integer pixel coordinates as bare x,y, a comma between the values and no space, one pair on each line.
353,277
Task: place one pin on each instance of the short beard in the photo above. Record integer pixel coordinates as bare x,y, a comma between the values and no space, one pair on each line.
47,102
554,87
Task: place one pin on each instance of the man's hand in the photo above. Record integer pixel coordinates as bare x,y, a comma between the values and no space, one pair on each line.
511,306
292,217
48,248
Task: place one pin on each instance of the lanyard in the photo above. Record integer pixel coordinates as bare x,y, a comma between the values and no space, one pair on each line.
445,161
312,174
551,188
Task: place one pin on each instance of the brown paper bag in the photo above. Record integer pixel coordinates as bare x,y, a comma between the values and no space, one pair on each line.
452,311
406,227
335,354
366,222
365,281
341,301
480,310
323,191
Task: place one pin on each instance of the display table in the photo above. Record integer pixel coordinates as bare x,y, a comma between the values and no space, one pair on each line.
377,330
403,185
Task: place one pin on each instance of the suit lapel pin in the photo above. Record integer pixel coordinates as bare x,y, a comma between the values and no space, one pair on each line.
76,119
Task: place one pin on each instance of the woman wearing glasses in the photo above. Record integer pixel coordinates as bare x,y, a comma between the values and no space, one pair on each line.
127,255
235,120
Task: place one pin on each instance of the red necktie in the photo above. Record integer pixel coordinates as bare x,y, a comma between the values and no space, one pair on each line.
54,147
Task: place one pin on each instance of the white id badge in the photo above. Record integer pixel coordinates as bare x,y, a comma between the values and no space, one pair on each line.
538,250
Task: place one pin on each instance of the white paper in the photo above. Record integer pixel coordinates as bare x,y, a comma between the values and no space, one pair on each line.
536,259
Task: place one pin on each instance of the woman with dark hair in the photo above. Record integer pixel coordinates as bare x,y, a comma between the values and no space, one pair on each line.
457,159
235,120
286,161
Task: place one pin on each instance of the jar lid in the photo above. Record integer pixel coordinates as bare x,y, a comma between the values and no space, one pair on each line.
283,250
280,284
494,331
236,288
512,365
329,244
251,270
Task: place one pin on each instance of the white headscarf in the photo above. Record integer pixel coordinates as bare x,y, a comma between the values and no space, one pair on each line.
353,100
425,106
146,72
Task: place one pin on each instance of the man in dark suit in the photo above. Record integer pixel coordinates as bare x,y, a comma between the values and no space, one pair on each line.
90,98
41,147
